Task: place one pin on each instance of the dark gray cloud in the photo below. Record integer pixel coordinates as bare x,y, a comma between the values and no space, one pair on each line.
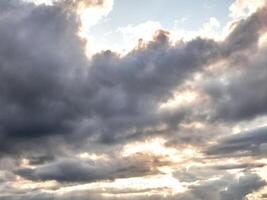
246,34
249,143
224,188
75,170
38,196
202,173
39,160
239,166
48,87
238,93
36,65
243,97
245,185
55,101
128,98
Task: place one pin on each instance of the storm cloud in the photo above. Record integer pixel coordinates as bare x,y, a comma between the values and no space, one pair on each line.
52,89
56,103
248,143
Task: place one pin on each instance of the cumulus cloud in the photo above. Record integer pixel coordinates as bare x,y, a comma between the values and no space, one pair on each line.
238,99
51,89
56,103
244,8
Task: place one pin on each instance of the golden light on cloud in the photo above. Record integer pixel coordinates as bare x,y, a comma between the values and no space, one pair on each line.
244,8
93,156
193,125
148,185
24,163
180,99
170,184
263,40
262,172
91,12
23,184
155,146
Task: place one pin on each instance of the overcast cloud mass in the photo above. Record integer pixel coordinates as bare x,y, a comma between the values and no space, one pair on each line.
172,118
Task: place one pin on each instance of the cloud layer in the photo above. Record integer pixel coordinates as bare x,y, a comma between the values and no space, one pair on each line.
67,120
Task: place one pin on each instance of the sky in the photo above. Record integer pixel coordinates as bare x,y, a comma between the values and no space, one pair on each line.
133,100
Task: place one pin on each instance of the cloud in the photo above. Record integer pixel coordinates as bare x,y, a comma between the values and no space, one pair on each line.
75,170
244,8
247,32
56,103
53,91
37,63
252,142
143,32
76,4
242,187
239,166
242,97
72,4
224,188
